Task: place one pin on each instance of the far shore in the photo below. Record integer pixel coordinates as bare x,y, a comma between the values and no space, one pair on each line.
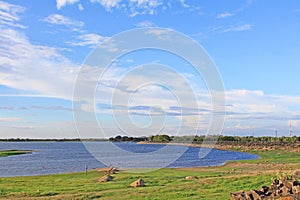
235,146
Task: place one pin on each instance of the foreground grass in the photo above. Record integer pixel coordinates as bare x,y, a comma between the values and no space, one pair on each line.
212,182
5,153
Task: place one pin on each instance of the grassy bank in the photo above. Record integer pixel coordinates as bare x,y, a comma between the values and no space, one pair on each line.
212,182
4,153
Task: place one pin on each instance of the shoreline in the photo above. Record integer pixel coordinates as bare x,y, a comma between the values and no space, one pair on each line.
230,177
215,146
14,152
235,147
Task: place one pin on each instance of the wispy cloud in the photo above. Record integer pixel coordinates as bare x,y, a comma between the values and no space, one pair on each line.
21,127
146,24
34,68
62,3
224,15
149,7
9,14
140,7
244,27
7,108
80,7
107,4
62,20
184,4
55,108
9,119
90,40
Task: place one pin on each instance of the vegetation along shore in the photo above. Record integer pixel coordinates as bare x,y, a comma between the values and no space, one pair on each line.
4,153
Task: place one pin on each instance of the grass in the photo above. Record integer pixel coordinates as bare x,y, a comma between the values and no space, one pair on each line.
212,183
5,153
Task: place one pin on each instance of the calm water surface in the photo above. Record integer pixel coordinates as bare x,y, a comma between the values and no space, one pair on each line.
62,157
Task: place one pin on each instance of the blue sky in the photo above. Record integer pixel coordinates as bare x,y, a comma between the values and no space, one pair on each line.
255,45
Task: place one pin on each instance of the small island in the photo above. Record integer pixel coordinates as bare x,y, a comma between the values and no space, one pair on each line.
4,153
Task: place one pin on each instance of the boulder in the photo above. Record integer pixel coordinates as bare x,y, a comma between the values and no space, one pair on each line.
296,189
256,194
288,184
279,189
111,170
297,174
138,183
286,191
275,182
190,177
287,198
296,183
105,178
241,195
265,189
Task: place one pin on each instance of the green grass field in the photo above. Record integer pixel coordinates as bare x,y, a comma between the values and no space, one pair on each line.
212,182
13,152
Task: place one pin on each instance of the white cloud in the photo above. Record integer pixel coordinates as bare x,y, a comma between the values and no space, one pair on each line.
9,14
245,104
90,40
62,20
245,127
146,24
62,3
36,69
80,7
184,4
224,15
158,32
138,7
22,127
9,119
161,34
244,27
107,4
141,7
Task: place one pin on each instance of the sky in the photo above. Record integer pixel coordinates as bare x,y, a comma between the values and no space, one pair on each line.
44,45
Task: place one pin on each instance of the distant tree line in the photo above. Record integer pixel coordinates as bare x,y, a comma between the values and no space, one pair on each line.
128,139
163,138
199,139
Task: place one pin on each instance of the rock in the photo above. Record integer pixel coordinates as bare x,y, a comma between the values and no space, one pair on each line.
138,183
273,188
111,170
278,192
296,174
106,178
286,191
287,198
296,189
256,194
275,182
288,184
241,195
264,189
283,189
296,183
248,196
190,177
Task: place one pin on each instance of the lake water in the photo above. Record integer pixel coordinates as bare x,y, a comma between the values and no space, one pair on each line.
62,157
